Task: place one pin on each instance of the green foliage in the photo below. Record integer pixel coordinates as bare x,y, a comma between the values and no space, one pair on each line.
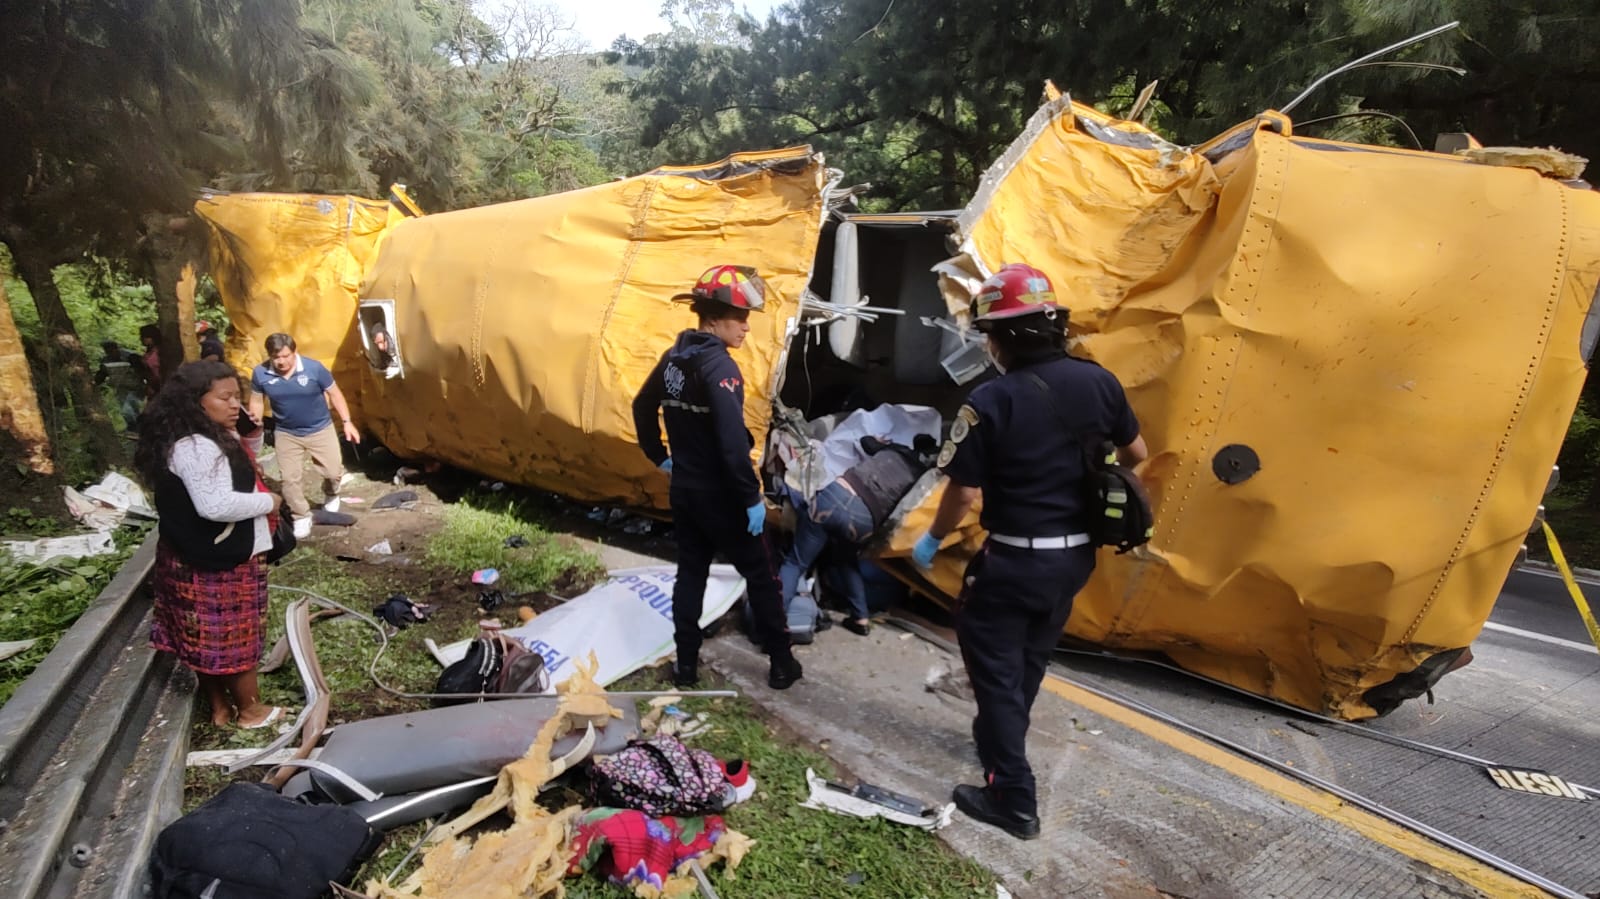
920,100
42,601
474,536
120,108
1574,506
22,520
103,305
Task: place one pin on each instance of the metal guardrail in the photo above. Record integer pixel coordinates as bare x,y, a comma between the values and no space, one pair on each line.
92,749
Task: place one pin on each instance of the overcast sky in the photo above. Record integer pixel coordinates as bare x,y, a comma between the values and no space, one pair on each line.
601,21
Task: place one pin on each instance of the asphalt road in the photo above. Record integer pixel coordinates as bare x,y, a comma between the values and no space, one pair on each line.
1536,602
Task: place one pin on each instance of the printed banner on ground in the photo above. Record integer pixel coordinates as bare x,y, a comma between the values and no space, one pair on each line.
626,622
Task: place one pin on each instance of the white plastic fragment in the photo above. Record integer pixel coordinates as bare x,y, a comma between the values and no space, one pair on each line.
79,546
829,800
10,648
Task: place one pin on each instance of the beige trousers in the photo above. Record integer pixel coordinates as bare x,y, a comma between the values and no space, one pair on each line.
323,448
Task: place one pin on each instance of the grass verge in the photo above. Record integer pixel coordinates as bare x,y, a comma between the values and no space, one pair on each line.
474,536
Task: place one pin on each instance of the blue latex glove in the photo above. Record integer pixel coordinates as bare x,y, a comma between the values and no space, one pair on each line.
667,465
924,551
756,518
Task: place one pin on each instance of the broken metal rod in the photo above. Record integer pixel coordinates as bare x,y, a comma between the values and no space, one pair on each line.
706,890
1398,45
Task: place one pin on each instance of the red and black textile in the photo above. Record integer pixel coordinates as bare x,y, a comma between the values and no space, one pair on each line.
211,620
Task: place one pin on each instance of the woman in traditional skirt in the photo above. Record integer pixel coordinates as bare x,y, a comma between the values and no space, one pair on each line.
210,581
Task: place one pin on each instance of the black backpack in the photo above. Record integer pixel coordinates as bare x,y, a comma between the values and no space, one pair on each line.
495,664
249,842
1126,519
1119,507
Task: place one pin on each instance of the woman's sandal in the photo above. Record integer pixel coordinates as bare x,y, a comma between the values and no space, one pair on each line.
273,717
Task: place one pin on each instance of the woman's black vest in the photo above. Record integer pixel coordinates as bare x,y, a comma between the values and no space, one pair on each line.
201,542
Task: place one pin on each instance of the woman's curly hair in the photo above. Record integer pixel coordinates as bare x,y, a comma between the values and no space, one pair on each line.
175,413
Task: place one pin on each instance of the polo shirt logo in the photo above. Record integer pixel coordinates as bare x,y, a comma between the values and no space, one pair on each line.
302,380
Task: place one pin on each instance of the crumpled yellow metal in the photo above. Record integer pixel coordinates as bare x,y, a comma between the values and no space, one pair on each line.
1396,335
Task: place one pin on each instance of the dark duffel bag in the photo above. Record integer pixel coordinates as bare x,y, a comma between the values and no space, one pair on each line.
251,843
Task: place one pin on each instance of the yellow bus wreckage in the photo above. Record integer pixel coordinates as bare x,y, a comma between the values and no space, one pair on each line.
1354,365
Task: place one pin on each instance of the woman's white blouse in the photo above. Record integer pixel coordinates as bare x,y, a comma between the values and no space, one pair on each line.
205,472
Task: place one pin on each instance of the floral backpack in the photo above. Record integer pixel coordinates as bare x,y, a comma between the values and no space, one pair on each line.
661,776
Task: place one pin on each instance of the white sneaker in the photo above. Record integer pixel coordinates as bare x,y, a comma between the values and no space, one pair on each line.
346,478
331,505
302,528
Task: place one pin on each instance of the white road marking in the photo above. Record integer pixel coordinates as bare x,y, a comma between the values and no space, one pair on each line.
1535,635
1556,575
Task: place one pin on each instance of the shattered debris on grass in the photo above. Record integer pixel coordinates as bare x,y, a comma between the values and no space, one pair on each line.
727,727
533,855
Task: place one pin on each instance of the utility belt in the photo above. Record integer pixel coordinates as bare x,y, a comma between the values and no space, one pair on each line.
1070,541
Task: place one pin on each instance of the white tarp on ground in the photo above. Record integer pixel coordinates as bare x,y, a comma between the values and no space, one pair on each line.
626,622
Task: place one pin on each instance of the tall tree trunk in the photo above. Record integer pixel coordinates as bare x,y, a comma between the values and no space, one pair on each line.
169,256
66,355
19,401
949,195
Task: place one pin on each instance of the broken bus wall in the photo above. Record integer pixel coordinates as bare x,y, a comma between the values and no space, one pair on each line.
1354,367
293,263
528,327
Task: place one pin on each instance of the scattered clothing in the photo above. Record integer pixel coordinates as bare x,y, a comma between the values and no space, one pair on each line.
332,519
400,612
633,849
395,500
251,841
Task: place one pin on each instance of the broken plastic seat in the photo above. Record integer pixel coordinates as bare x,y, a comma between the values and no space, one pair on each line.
426,763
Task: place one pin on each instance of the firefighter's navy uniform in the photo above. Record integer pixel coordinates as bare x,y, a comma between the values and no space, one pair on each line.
698,389
1019,588
1021,447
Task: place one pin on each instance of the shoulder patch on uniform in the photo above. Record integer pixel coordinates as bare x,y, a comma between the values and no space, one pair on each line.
962,426
947,454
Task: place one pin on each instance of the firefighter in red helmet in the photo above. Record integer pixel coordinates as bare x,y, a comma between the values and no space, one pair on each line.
1017,444
716,498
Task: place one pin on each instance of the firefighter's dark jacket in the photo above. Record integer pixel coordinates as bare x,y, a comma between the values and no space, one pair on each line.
699,391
